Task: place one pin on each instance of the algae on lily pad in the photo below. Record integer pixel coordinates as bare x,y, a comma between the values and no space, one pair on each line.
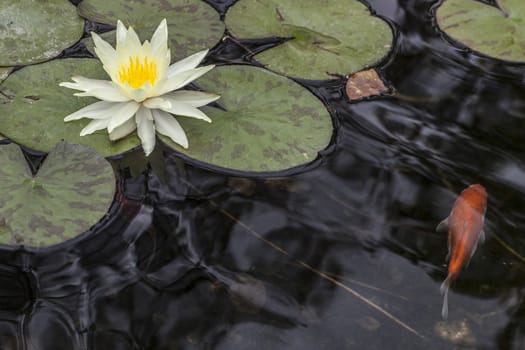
269,122
193,25
33,107
496,31
35,31
71,191
327,37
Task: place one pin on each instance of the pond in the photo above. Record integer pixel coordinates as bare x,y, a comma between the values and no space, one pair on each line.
340,253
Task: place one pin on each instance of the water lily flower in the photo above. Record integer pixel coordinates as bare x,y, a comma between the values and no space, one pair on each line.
141,94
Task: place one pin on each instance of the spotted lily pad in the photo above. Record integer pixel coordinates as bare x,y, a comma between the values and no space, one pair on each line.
33,107
326,36
496,31
193,25
270,123
72,190
35,31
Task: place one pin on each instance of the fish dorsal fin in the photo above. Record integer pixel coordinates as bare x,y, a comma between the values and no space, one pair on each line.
442,226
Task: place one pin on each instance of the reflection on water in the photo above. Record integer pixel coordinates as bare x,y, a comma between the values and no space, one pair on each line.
342,255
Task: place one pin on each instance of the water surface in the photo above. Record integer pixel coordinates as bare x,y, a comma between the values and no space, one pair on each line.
341,254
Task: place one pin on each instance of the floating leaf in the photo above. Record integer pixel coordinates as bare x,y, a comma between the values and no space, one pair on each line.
35,31
33,107
193,25
364,84
270,123
71,191
497,31
327,36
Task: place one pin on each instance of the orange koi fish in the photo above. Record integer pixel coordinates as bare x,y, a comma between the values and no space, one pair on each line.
465,229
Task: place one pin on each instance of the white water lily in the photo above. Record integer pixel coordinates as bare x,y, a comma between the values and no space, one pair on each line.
142,86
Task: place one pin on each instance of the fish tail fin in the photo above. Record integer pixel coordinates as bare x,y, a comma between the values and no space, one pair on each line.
444,290
444,309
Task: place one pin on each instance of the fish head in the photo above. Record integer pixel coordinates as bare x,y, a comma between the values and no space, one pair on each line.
476,197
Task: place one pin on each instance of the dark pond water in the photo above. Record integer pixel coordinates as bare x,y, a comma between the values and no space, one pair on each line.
339,255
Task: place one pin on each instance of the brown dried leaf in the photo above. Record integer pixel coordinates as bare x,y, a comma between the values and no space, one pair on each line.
363,84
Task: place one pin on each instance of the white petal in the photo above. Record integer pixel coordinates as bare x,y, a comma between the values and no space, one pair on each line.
105,94
101,111
85,84
180,80
121,33
145,50
179,108
160,37
94,125
156,103
162,57
97,110
159,48
192,98
131,43
145,129
123,130
139,94
107,55
187,63
166,124
122,115
69,85
102,89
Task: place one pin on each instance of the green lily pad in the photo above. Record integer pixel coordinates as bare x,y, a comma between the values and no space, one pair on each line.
271,123
492,31
33,107
193,25
71,191
36,31
327,36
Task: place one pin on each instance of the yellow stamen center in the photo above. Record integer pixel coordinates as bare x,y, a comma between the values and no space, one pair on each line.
138,72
